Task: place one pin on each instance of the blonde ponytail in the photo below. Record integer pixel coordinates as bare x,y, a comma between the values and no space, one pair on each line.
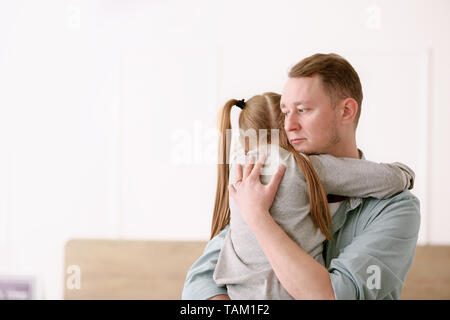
221,214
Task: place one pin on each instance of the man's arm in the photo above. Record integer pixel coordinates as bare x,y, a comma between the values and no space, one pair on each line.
199,283
299,273
387,242
373,266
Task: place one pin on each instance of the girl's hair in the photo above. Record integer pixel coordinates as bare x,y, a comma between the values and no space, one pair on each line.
263,112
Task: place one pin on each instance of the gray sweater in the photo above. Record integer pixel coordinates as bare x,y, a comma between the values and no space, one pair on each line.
242,265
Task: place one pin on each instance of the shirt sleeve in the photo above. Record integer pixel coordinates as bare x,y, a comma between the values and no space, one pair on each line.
199,283
374,265
362,178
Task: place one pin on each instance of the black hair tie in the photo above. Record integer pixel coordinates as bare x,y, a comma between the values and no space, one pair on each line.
240,104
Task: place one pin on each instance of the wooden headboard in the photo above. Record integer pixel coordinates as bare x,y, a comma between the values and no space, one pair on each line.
126,269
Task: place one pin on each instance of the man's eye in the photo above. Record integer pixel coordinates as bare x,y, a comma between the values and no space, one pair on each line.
299,110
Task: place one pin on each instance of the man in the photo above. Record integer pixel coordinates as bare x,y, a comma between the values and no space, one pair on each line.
374,240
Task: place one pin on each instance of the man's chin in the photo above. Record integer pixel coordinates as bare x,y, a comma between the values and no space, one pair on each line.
308,151
304,149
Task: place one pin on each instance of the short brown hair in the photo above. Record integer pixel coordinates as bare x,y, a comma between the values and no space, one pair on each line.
338,77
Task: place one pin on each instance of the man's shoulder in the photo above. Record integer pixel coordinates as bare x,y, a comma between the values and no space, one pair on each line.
403,198
401,206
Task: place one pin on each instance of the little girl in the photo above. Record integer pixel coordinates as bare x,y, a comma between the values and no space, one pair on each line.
300,206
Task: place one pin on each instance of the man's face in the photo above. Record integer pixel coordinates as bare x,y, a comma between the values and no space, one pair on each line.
310,119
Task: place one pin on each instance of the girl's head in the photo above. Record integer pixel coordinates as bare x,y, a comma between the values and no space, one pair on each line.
263,112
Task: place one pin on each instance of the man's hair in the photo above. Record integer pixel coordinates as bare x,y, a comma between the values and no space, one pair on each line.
338,77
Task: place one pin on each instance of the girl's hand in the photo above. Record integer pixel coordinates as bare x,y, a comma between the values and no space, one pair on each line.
251,196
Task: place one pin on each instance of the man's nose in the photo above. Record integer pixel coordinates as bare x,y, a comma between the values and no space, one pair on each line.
291,122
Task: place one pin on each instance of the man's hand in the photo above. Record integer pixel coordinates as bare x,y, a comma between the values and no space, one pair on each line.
252,197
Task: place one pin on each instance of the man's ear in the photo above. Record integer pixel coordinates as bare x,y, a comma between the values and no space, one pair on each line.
348,108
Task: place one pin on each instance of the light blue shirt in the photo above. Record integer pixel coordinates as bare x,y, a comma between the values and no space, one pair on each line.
374,247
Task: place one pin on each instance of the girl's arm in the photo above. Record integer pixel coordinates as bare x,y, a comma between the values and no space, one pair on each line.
362,178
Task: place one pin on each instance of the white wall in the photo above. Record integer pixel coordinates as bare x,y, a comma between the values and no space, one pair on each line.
108,109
